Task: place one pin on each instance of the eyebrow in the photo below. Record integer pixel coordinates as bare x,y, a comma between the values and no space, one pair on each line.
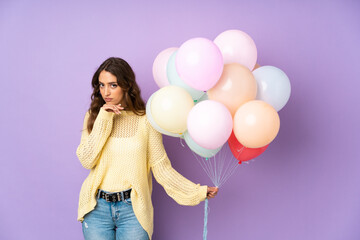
108,83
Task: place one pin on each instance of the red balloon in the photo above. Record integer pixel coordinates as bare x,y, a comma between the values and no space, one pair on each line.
242,153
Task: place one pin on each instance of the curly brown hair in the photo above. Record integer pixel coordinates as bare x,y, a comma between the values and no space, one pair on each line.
125,77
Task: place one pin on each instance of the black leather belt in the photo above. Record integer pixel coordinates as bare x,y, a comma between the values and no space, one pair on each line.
114,197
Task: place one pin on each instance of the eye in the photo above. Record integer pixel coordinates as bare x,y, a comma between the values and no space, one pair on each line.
101,85
114,85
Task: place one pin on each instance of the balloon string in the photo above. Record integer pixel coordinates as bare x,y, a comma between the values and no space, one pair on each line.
205,219
181,142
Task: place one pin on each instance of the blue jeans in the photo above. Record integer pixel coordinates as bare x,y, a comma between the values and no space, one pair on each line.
110,221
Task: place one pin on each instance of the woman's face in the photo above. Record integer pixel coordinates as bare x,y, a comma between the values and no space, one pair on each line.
110,91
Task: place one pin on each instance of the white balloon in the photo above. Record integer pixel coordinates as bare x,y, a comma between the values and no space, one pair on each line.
237,47
273,86
210,124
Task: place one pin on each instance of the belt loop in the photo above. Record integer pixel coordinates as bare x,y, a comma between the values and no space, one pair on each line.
122,196
98,195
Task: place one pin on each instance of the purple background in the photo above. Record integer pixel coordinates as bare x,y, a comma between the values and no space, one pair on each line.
305,186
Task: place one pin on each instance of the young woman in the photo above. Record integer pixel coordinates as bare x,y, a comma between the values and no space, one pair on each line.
121,149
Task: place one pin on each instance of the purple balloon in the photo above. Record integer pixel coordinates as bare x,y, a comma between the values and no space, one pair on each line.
210,124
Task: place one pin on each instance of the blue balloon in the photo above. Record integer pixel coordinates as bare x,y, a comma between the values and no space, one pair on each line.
273,86
153,123
174,79
204,152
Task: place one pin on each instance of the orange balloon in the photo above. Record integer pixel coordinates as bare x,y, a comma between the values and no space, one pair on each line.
236,86
256,124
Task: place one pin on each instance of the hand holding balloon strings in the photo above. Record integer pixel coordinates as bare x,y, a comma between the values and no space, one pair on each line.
212,192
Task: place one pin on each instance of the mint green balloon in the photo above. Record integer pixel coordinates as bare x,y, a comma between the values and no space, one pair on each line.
204,152
174,79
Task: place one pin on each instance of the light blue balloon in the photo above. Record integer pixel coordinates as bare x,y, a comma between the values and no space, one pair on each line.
174,79
273,86
153,123
204,152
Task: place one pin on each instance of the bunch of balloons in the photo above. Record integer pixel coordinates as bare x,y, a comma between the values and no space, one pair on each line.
213,92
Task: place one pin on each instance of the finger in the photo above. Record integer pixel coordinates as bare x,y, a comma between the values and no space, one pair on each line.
119,106
116,110
107,108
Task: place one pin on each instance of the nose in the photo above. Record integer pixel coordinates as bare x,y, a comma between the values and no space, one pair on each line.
107,91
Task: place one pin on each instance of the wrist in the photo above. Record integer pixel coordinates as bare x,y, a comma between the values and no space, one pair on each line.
105,114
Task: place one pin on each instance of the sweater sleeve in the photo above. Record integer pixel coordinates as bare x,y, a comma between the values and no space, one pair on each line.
90,146
183,191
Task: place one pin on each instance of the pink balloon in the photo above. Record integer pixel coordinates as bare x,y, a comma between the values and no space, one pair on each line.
237,47
159,67
209,124
199,63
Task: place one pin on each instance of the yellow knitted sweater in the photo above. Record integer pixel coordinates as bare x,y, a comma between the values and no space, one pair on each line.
122,151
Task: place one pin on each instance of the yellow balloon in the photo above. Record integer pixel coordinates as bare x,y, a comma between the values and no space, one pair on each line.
170,107
236,86
256,124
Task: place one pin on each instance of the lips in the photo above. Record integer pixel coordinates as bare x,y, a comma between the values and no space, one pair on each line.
108,99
